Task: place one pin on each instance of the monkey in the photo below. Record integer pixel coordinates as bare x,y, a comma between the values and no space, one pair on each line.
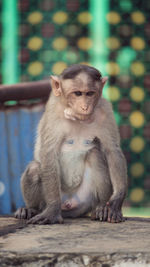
78,165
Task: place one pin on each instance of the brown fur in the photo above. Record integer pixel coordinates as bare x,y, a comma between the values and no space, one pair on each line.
77,154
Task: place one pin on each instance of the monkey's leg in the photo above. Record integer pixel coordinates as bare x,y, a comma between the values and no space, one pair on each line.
32,192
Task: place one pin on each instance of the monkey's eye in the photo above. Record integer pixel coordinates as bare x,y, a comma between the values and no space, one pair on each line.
78,93
90,93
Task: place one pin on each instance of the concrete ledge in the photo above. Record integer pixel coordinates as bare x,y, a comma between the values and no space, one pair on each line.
78,242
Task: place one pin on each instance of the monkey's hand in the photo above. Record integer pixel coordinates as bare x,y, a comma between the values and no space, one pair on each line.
69,114
111,212
47,217
114,210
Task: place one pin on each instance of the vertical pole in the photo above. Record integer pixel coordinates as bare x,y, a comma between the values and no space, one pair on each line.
10,66
99,31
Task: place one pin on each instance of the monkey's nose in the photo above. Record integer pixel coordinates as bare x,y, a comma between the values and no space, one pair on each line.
84,108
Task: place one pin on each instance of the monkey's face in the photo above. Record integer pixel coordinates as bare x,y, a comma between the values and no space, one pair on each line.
81,94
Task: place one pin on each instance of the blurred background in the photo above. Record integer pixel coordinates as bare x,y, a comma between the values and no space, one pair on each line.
42,37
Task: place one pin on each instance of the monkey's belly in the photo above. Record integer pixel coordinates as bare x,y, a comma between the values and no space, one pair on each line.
80,201
72,162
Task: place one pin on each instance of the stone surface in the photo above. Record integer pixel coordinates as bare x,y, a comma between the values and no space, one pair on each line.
77,242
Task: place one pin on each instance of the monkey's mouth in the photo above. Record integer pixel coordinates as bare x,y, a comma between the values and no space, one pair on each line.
83,115
85,112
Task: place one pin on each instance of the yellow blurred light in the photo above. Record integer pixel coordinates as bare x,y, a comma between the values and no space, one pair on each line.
35,17
112,68
137,43
113,93
35,68
137,144
113,17
85,17
137,94
60,17
137,68
137,169
35,43
113,43
137,119
137,195
60,43
84,43
59,67
138,17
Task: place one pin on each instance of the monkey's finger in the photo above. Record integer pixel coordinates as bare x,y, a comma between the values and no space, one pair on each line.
20,213
39,220
17,214
50,221
44,221
114,218
99,215
34,220
24,213
105,214
30,214
120,218
110,214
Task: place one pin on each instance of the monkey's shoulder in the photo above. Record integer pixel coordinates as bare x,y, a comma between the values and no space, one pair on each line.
106,120
105,105
105,110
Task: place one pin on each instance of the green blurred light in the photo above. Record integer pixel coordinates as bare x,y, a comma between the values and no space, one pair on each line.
99,32
71,56
48,55
125,5
10,66
10,103
117,117
125,57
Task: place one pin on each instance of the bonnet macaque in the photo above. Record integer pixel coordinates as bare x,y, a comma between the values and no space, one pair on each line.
78,165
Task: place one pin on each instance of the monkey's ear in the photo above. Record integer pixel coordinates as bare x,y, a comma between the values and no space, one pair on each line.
55,84
104,80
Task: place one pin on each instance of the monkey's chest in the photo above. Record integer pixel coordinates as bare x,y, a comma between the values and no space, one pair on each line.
73,161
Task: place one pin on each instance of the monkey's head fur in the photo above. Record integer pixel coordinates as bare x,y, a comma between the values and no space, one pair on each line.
79,88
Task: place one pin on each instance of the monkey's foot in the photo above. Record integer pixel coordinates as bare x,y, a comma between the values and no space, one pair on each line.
25,213
100,213
46,218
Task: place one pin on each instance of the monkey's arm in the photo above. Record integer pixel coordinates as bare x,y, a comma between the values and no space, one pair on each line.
110,140
118,176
